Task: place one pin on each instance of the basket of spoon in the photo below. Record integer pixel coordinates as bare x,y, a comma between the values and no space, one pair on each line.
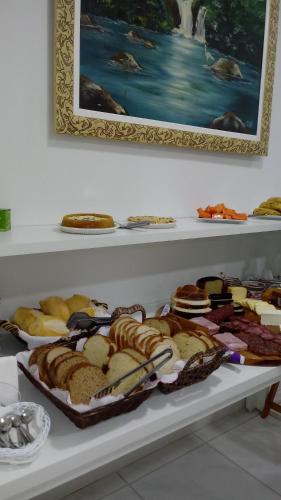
24,428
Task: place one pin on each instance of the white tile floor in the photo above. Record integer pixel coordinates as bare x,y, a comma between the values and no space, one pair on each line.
236,457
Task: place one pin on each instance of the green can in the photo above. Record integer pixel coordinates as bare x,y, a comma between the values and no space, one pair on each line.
5,219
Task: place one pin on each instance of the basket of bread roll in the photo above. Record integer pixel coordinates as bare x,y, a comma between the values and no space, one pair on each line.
51,321
102,376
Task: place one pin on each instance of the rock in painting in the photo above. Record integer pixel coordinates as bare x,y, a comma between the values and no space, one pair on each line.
87,22
133,36
96,98
226,69
126,61
229,122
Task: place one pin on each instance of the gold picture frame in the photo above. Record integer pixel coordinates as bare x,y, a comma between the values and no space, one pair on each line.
67,121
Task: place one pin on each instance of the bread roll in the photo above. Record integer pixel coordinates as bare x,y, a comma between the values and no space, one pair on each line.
24,316
78,302
47,326
55,306
91,311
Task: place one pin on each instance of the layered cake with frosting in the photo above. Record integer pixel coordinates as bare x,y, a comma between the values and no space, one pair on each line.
190,301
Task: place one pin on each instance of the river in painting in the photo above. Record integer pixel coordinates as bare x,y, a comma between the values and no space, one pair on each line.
174,82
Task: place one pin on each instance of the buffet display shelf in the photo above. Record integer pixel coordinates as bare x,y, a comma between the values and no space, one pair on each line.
70,452
24,240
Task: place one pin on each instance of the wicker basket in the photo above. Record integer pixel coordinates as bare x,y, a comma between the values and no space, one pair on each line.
205,365
92,417
199,367
15,331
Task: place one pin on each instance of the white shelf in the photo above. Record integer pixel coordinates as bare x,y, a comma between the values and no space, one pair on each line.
24,240
69,452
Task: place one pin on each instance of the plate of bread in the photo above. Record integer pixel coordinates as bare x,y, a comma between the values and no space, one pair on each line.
49,321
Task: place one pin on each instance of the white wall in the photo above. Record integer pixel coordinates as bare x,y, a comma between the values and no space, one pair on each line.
44,175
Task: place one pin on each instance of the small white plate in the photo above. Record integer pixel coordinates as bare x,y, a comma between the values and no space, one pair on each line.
94,230
222,221
266,217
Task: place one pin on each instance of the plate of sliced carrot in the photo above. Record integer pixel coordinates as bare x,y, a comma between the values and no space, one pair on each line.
221,213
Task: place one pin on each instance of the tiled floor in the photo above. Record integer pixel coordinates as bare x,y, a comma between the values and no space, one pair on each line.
237,457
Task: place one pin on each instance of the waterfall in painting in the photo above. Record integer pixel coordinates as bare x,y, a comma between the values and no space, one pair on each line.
185,9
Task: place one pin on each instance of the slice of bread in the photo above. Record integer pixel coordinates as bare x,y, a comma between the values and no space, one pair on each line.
166,343
54,353
63,367
160,324
34,355
189,345
98,349
41,363
175,325
53,366
83,381
120,364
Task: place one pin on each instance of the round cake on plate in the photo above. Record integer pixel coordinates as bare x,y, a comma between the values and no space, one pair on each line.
88,221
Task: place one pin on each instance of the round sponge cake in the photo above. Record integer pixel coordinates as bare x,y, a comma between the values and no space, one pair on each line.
87,221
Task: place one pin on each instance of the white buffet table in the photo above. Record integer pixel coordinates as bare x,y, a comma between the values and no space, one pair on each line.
71,452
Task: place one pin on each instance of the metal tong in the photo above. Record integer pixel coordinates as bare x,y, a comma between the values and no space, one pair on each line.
108,390
133,225
82,321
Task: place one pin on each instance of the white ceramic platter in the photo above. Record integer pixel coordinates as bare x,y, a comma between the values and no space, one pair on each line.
267,217
95,230
222,221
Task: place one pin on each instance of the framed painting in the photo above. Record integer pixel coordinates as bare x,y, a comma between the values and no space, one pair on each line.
187,73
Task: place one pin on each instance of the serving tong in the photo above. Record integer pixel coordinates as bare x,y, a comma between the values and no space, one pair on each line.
106,391
19,422
82,321
134,225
